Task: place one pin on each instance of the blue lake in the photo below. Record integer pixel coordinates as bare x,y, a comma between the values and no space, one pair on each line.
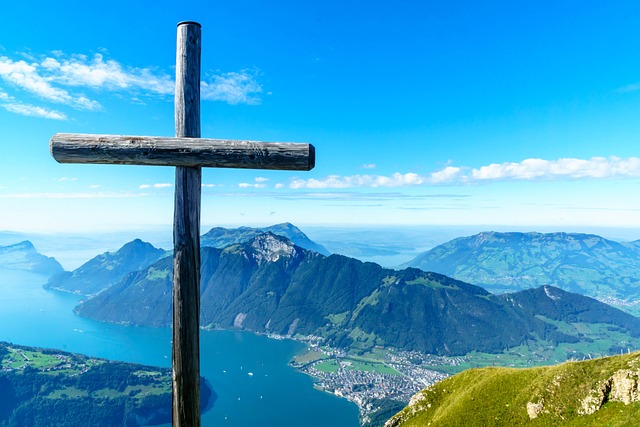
250,373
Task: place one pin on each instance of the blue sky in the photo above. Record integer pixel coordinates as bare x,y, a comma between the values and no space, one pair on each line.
518,114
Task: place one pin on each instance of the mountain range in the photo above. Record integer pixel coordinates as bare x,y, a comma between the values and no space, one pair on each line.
270,285
106,269
219,237
594,392
24,256
505,262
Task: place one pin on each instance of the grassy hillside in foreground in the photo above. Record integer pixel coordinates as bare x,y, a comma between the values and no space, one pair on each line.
595,392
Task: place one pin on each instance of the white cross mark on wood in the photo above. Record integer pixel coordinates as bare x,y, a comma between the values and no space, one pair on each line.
188,153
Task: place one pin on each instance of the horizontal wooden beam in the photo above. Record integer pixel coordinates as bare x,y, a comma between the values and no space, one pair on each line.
190,152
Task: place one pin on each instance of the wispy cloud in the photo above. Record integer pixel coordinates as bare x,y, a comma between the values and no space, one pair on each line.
96,72
159,185
260,182
369,166
566,168
526,170
58,78
336,181
10,104
233,88
351,196
248,185
30,77
446,175
33,111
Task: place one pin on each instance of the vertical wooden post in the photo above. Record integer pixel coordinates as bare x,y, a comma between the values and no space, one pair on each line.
186,236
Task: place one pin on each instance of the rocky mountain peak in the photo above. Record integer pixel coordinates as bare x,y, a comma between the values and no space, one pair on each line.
268,247
482,237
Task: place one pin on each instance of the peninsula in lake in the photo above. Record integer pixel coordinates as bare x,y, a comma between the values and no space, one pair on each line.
46,387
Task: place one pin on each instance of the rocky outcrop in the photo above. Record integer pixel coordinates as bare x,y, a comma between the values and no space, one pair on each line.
418,403
535,409
268,247
622,386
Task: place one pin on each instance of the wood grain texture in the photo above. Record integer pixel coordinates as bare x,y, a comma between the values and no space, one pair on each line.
187,96
189,153
186,236
185,151
186,298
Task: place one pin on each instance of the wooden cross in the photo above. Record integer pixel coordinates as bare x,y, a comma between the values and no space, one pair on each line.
188,153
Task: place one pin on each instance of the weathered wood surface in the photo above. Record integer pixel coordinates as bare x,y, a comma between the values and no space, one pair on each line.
190,152
186,236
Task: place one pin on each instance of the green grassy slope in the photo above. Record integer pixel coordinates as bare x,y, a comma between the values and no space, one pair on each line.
599,392
504,262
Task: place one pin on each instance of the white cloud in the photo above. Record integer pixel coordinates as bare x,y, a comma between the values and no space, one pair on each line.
160,185
247,185
448,174
571,168
54,77
8,103
526,170
78,70
369,166
34,111
279,185
259,183
232,88
336,181
66,178
209,185
28,77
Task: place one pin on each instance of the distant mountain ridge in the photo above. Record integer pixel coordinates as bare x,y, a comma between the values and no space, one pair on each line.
24,256
588,393
219,237
581,263
270,285
106,269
